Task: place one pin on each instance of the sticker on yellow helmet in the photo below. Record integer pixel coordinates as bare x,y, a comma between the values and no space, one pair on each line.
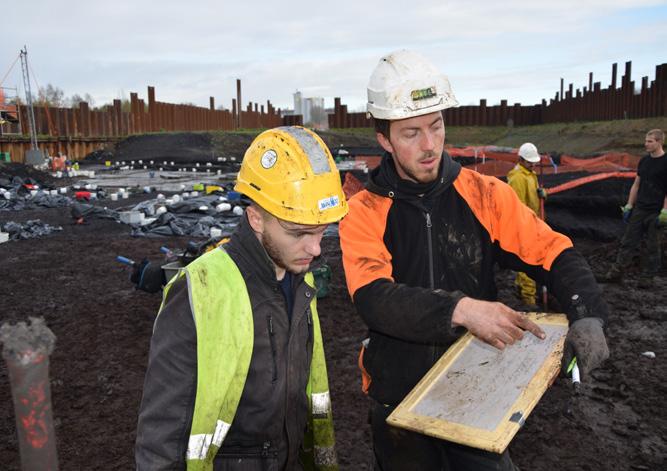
328,203
269,158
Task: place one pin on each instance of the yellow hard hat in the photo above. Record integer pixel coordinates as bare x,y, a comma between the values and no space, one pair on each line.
290,173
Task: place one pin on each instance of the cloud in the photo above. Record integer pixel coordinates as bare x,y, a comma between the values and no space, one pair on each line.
516,49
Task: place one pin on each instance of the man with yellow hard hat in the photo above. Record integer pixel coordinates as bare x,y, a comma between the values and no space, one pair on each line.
236,369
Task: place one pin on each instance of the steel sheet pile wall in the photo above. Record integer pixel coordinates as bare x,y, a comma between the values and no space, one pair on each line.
141,118
592,103
77,131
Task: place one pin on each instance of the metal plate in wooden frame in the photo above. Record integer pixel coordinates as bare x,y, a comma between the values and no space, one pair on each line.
479,396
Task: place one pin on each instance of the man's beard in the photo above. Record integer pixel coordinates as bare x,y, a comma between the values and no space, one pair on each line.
429,176
276,256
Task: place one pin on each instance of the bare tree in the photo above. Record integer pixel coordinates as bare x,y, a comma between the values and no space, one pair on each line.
50,96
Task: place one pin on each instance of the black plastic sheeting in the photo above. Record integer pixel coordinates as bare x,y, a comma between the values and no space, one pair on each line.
29,230
192,217
84,210
591,210
20,197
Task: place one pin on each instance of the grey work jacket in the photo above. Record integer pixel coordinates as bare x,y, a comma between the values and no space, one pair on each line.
270,421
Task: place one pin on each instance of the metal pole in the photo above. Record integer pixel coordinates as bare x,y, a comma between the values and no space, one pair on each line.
28,97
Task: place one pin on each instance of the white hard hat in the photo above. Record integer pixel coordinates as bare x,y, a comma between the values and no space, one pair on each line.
529,153
405,84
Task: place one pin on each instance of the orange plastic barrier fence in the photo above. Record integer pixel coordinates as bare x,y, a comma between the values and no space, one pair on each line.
592,178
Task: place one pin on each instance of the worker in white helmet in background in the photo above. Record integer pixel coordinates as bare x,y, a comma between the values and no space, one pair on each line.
420,244
523,180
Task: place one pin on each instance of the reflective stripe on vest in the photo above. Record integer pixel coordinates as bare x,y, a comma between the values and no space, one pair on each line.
318,443
215,285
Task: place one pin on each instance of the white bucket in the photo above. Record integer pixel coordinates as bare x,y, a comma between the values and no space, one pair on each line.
63,190
114,196
160,210
126,196
216,233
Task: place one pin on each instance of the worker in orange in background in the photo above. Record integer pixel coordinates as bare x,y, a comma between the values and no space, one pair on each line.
523,180
645,212
420,244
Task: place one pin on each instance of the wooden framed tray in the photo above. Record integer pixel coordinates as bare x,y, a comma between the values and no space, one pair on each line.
479,396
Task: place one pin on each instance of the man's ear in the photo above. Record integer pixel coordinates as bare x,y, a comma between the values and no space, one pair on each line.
255,218
384,142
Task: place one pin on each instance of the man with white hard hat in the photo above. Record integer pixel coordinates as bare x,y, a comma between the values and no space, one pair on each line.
523,180
419,248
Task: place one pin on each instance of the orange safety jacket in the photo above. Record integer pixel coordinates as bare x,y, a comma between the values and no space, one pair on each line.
409,258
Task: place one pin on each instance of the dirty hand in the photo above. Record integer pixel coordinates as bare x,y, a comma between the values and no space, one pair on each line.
542,193
148,277
493,323
662,217
627,210
587,342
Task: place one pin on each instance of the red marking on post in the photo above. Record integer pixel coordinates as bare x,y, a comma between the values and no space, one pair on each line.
34,424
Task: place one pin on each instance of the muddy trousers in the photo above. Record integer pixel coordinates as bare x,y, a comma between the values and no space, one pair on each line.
641,222
526,288
398,449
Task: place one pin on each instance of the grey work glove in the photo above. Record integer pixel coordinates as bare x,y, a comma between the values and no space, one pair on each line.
587,342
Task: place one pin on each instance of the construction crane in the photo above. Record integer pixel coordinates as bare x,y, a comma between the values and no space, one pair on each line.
28,97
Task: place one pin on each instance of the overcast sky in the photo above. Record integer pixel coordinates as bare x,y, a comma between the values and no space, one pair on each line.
190,50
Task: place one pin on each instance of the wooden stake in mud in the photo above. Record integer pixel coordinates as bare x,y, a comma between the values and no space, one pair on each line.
26,350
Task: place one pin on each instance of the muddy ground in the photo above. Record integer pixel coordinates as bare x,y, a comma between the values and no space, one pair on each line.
103,328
